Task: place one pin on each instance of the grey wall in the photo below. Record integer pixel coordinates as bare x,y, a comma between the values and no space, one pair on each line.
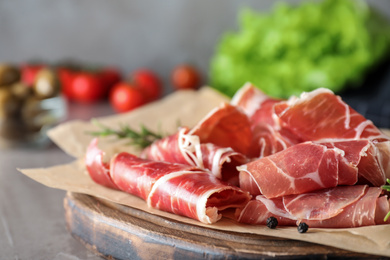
127,33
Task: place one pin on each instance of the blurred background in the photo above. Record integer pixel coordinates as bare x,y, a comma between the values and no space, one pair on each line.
224,42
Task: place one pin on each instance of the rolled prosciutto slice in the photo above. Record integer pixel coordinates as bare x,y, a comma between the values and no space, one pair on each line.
180,189
298,169
338,207
98,169
185,148
214,144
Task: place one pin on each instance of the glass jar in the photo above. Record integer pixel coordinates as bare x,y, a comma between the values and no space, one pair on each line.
28,111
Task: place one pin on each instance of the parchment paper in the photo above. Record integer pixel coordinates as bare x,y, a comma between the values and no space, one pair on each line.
184,108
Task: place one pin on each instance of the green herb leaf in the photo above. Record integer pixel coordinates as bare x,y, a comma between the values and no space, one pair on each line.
387,188
142,138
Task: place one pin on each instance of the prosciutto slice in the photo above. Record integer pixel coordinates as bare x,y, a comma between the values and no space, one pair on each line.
370,157
225,126
267,141
338,207
186,149
268,138
214,144
321,115
257,211
298,169
97,168
256,104
180,189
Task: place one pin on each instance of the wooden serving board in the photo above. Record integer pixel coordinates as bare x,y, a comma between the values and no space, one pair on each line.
118,232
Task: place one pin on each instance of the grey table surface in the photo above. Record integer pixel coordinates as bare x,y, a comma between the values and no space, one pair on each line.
32,220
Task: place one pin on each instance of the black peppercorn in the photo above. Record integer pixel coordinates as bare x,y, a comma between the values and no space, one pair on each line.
272,222
303,227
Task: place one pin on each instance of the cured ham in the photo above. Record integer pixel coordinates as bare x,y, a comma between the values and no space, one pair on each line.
225,126
180,189
301,168
310,158
370,157
321,115
214,144
267,137
312,166
338,207
186,149
98,169
256,104
267,140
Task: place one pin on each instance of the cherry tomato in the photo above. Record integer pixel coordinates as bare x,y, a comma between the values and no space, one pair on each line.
185,76
125,97
66,76
29,71
87,87
149,82
110,76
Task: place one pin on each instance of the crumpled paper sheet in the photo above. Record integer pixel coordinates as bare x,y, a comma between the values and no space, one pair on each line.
183,108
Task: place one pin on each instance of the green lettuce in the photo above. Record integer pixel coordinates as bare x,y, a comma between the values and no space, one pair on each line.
331,44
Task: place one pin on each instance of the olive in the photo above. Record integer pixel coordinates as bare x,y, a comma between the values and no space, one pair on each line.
21,90
9,104
12,129
46,84
8,74
31,113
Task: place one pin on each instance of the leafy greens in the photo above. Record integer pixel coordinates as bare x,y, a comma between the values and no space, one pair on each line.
331,44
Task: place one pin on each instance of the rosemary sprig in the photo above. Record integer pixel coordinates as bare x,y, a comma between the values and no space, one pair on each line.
387,187
141,139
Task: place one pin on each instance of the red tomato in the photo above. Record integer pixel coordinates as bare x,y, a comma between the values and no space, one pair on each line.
66,76
110,76
125,97
29,71
185,76
87,87
149,82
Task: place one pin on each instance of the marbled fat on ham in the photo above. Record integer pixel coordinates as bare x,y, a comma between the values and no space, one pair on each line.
321,118
213,144
181,189
137,176
320,115
257,211
298,169
184,148
256,104
268,138
371,159
197,195
96,167
222,162
170,148
338,207
225,126
267,141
